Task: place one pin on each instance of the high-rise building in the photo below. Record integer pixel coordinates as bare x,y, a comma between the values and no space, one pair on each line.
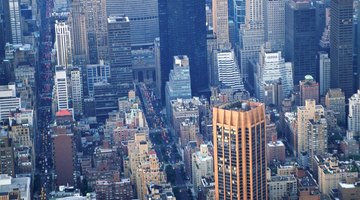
335,101
106,100
183,32
61,87
179,84
221,22
96,29
7,151
143,16
300,26
239,17
60,4
78,32
354,112
8,100
239,153
120,53
251,35
323,62
63,44
274,23
311,129
341,45
76,90
96,73
228,71
188,131
63,148
309,89
320,7
202,166
15,21
271,66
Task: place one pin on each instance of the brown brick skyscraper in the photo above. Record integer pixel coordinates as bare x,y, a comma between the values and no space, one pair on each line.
239,151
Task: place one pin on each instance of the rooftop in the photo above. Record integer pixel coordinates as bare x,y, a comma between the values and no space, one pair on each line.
243,106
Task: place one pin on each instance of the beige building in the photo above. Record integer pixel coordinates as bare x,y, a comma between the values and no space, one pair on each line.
144,165
221,22
335,101
281,187
311,129
184,109
333,172
239,151
188,130
202,166
21,134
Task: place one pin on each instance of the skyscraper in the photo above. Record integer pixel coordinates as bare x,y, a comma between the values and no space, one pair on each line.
15,21
311,129
120,53
274,23
96,28
239,151
228,71
300,40
221,22
143,16
78,32
251,35
63,44
76,90
354,112
179,84
341,45
239,16
323,62
183,32
61,87
271,66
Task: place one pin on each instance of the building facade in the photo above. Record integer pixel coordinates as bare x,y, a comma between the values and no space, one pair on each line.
354,113
300,25
240,174
143,16
63,44
335,101
120,53
274,24
61,87
341,45
183,32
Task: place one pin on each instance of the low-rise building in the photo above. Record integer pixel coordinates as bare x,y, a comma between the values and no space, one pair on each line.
332,172
281,187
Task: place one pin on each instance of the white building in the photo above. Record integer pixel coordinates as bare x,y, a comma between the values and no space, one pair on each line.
61,86
274,23
228,70
202,165
272,67
324,75
60,4
9,185
76,90
15,21
8,100
63,44
354,112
